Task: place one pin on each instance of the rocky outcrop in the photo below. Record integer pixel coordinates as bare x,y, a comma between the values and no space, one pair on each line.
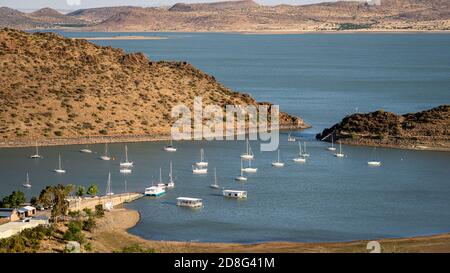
426,129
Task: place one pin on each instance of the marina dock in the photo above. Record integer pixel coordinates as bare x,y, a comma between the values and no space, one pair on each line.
77,203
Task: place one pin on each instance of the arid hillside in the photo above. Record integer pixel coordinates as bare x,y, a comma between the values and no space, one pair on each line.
426,129
249,16
54,87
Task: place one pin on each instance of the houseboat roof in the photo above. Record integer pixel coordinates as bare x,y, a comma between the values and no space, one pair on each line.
235,191
189,199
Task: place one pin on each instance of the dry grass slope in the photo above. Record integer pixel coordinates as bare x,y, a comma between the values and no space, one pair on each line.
55,87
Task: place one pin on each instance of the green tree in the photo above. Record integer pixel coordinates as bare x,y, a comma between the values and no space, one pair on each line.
80,191
73,232
46,197
14,200
55,197
92,190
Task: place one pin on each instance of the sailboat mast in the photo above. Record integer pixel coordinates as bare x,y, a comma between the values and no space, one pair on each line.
170,172
201,155
241,167
278,155
126,153
37,149
106,149
59,162
160,175
299,148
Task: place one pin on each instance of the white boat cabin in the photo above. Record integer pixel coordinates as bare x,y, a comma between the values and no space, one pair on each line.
235,194
189,202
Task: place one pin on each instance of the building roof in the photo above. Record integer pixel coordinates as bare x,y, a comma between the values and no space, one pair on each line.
188,199
5,214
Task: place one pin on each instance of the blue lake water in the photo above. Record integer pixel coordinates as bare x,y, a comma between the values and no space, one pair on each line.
319,77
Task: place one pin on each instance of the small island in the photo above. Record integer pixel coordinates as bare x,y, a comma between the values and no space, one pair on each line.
426,130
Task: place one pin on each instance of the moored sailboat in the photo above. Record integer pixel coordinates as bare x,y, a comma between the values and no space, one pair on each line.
59,169
215,185
300,158
278,163
27,183
105,156
241,177
126,163
37,155
170,147
203,162
248,154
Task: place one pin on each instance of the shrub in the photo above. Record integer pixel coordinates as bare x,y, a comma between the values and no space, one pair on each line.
99,211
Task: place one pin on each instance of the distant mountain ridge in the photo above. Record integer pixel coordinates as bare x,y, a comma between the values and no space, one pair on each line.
245,15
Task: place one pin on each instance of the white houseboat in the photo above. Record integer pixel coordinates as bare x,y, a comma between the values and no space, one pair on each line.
189,202
154,191
235,194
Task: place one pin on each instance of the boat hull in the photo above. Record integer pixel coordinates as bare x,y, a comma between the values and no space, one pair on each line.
374,163
277,164
249,170
247,157
299,160
170,149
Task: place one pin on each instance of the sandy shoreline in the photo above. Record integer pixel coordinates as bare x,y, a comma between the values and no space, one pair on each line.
111,235
122,38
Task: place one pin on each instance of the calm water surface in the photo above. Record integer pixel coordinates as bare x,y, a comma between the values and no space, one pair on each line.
318,77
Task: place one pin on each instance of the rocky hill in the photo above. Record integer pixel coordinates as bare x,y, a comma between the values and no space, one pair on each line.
43,18
426,129
248,16
54,87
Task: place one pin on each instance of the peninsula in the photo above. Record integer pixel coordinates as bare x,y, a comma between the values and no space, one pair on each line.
426,130
57,90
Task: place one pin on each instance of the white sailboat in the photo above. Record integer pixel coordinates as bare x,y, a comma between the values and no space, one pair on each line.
170,148
199,170
203,162
37,155
126,164
108,186
305,154
291,138
300,158
374,162
340,154
109,204
160,183
27,183
248,155
278,163
332,148
86,150
125,171
60,169
105,156
215,185
241,177
170,184
249,168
